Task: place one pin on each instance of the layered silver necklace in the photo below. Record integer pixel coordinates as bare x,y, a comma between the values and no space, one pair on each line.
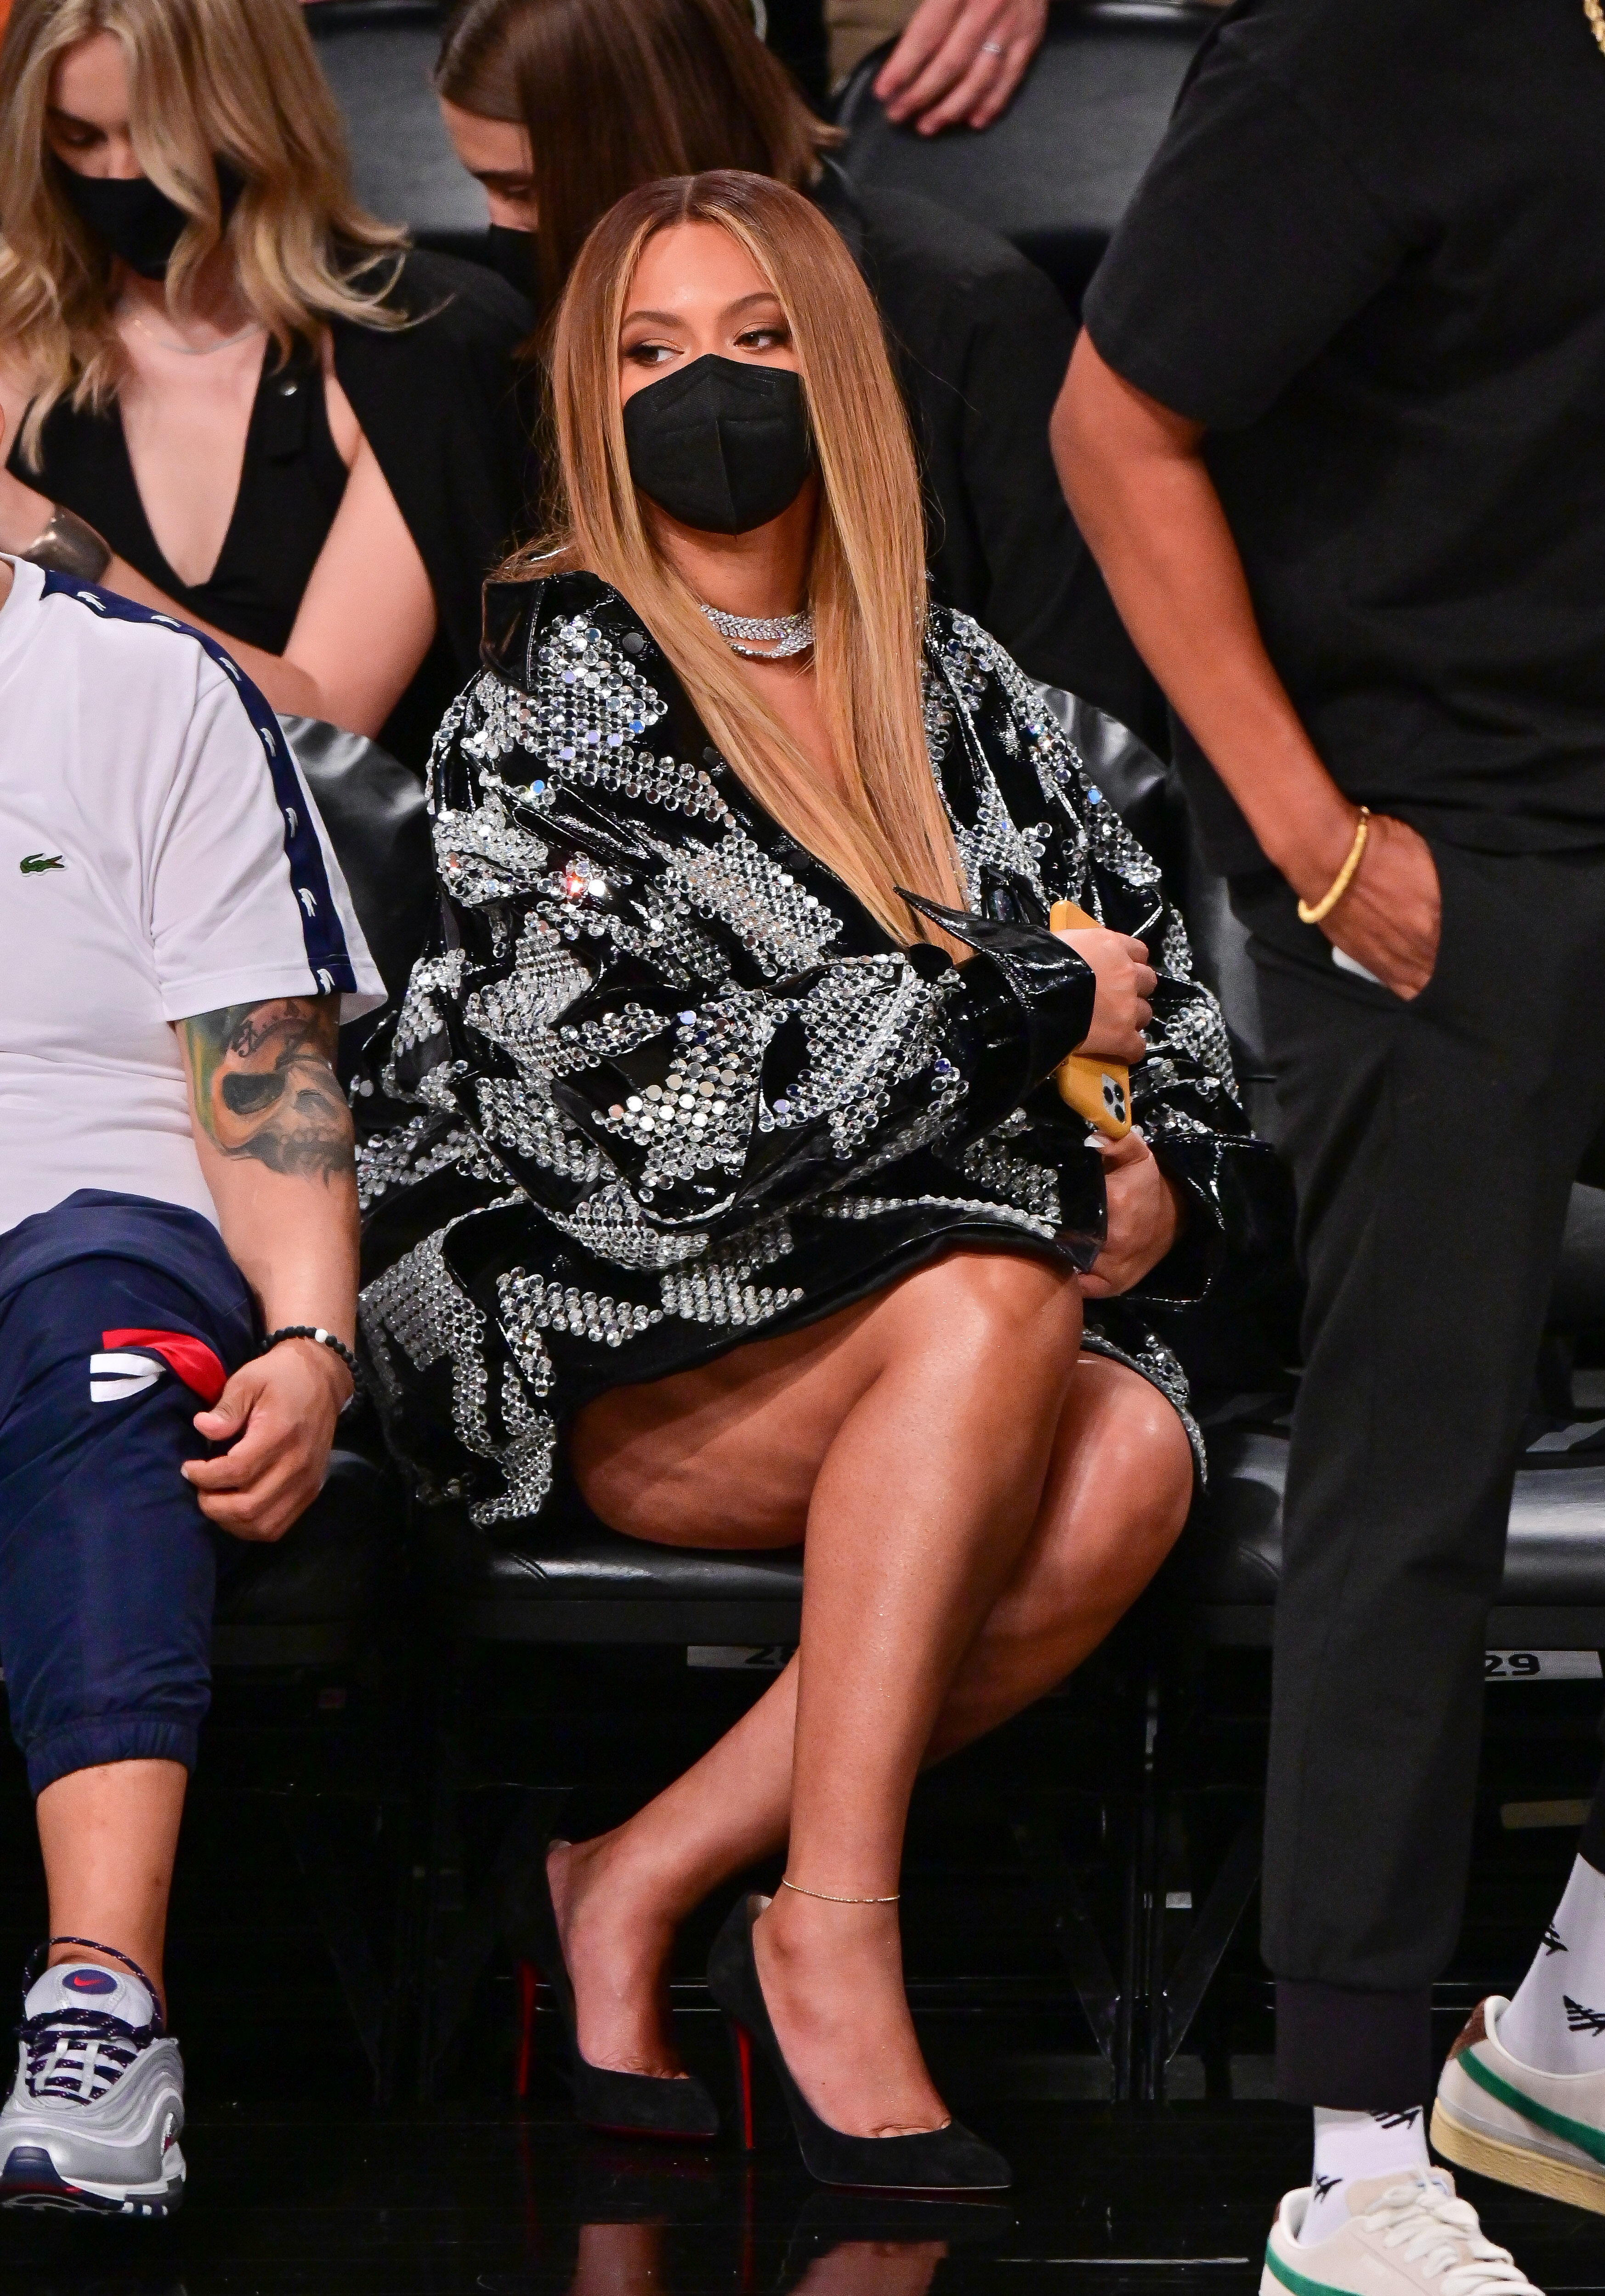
762,639
194,350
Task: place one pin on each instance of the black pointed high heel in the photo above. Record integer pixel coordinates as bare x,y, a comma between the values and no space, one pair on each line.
624,2104
949,2159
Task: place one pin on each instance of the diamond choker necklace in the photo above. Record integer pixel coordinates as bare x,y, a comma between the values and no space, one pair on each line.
770,640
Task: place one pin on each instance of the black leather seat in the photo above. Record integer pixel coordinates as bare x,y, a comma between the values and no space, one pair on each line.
1055,173
375,810
1552,1596
573,1580
310,1598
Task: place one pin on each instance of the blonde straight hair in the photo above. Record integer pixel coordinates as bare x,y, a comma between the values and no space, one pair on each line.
209,79
866,581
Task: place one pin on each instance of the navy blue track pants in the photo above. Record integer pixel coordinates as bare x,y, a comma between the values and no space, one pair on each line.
120,1318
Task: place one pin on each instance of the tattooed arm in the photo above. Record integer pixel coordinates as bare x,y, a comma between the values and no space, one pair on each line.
273,1134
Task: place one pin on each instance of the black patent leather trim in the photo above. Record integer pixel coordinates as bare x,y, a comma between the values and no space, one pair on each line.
1052,989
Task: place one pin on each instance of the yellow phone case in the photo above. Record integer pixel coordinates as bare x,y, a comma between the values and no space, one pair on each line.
1098,1090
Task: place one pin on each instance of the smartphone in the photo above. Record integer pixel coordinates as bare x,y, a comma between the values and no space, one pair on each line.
1098,1091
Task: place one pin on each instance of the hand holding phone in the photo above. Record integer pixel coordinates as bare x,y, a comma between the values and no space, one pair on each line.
1095,1080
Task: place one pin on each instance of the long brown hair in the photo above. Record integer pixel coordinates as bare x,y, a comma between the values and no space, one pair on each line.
616,92
866,580
209,79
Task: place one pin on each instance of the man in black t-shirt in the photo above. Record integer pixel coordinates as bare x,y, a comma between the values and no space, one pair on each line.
1335,430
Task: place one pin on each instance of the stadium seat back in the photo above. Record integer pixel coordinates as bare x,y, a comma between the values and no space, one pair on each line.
1055,173
378,55
374,811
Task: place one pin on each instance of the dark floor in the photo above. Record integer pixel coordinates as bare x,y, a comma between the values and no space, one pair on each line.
1108,2199
300,2187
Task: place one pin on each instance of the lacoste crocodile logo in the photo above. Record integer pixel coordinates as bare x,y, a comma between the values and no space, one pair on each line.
34,864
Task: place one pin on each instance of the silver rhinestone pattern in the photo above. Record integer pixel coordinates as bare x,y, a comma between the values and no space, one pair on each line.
1015,1179
530,1305
866,1208
483,856
650,1207
397,1156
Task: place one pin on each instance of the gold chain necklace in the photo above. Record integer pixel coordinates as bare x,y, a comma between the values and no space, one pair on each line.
1595,13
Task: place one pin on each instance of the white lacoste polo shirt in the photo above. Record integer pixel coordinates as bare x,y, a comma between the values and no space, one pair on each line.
160,856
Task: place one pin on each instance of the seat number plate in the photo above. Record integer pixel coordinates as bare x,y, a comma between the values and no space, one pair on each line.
1541,1666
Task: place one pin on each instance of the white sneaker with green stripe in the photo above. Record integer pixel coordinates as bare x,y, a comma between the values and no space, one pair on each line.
1543,2131
1402,2237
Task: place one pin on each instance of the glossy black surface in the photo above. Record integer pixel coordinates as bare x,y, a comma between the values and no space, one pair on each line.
470,2200
300,2187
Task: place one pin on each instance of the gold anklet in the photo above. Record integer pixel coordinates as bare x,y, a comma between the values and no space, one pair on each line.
831,1900
1312,913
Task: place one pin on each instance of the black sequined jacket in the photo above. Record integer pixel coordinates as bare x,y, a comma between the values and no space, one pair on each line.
663,1085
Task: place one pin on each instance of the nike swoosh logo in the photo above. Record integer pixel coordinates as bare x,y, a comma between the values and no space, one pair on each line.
33,865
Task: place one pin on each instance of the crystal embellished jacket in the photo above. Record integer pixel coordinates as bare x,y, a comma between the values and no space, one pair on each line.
662,1084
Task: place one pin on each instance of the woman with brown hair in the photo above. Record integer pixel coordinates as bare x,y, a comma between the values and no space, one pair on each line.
559,107
693,1150
232,395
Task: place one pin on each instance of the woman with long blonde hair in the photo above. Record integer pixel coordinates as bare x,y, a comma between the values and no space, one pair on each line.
229,393
699,1170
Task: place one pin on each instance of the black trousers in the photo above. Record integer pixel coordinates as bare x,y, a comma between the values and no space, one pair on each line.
1433,1143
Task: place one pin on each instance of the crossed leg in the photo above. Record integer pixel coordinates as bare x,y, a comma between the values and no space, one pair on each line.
978,1504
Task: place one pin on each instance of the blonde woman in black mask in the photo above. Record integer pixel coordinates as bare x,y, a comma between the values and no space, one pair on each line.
700,1163
231,395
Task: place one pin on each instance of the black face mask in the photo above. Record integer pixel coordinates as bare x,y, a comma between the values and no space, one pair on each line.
138,221
510,253
721,446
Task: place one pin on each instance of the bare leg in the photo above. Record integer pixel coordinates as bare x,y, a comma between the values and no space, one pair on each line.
619,2259
109,1836
1117,1476
874,2268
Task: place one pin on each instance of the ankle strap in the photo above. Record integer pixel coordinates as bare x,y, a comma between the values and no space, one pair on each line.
828,1897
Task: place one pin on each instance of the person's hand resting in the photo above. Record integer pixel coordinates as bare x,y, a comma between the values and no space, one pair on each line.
277,1414
1145,1217
1126,982
1389,918
959,61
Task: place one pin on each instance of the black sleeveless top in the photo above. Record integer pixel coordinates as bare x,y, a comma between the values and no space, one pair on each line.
439,401
291,485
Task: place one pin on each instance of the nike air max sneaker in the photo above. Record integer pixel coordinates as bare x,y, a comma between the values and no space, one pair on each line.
93,2120
1402,2237
1543,2131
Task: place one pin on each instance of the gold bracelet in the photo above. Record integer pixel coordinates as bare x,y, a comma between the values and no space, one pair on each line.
1344,878
830,1900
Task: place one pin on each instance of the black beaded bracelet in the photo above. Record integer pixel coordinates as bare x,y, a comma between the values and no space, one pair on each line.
324,1339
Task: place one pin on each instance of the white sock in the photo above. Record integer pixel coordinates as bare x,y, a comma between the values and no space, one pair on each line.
1556,2023
1350,2146
86,1985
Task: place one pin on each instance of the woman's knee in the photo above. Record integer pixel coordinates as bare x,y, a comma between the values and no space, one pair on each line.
1001,1312
1116,1501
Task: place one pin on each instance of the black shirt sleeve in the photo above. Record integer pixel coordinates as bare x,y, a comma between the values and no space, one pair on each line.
1250,243
439,402
1044,597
